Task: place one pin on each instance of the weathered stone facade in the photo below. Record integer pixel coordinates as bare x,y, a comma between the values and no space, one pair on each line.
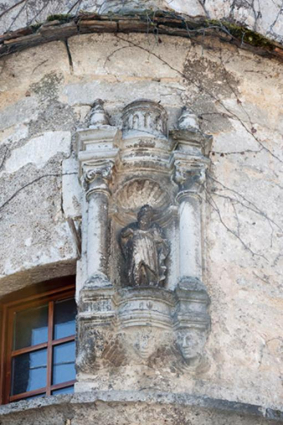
192,333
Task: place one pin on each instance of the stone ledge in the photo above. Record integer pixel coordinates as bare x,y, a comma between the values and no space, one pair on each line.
61,27
80,403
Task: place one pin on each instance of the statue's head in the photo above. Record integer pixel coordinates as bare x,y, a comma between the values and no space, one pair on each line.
145,216
191,342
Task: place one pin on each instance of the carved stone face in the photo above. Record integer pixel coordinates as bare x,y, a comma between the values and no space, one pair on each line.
142,340
145,217
191,342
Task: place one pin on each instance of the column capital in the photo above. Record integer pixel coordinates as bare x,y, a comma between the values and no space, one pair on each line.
190,174
96,176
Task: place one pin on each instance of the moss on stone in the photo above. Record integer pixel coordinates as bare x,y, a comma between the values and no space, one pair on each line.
60,17
35,27
244,35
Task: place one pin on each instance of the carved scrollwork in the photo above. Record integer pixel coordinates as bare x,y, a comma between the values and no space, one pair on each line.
98,177
99,173
190,179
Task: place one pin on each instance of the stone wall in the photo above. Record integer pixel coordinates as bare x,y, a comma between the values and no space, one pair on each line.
46,94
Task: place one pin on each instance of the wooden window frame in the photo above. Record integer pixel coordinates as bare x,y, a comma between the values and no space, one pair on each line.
40,294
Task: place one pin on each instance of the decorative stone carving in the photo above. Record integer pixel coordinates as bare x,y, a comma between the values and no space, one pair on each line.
189,179
191,162
145,116
145,319
191,319
191,141
90,342
138,192
97,177
96,155
191,342
144,144
145,250
142,304
96,173
188,120
98,116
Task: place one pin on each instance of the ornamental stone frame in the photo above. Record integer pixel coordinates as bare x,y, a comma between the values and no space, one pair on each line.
122,170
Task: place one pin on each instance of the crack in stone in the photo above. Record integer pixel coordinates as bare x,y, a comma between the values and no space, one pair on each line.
37,179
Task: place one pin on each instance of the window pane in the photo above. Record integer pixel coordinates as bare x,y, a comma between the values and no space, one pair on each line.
63,363
30,327
29,371
64,318
68,390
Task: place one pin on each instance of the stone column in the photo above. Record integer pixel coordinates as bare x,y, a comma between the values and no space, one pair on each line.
189,200
191,161
191,318
192,321
96,181
95,306
96,155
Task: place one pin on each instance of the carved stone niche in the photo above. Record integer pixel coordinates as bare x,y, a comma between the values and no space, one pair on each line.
150,307
145,250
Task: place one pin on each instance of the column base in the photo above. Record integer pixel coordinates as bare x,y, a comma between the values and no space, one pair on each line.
99,280
191,283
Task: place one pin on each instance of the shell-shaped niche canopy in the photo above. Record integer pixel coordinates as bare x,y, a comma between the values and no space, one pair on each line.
136,193
145,117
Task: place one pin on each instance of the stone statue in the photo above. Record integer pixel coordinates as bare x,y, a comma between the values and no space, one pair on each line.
145,249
